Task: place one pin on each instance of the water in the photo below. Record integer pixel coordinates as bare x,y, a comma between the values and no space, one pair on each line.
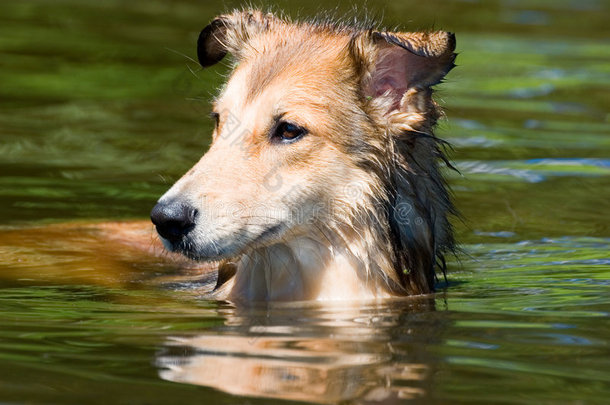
99,114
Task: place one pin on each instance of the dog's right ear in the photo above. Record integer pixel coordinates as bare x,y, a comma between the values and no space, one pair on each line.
230,33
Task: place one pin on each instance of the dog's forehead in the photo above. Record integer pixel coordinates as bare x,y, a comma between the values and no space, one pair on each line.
301,65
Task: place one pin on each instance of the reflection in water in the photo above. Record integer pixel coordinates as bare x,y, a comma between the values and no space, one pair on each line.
372,353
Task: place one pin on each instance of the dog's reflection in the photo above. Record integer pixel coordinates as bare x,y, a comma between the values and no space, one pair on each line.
373,353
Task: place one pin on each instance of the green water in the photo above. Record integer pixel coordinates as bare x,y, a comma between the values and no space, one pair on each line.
99,114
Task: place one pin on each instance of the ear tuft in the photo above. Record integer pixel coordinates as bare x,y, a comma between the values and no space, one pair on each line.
436,44
229,33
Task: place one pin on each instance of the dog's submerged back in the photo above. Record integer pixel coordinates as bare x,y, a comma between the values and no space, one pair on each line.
323,180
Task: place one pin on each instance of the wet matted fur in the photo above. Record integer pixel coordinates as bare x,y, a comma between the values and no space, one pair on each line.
323,178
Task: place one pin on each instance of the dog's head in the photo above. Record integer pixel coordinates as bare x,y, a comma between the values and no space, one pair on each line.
306,131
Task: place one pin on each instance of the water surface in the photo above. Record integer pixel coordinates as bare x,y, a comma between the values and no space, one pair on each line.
100,113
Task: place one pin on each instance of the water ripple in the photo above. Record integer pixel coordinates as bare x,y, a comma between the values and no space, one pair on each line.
537,170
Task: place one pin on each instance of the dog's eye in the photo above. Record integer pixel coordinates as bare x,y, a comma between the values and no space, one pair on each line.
288,132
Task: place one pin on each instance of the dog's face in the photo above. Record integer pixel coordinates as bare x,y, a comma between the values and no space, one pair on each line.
291,126
277,157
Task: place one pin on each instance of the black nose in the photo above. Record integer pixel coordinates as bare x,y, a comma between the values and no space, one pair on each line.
173,219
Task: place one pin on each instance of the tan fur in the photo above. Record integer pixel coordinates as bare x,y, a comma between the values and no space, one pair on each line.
357,208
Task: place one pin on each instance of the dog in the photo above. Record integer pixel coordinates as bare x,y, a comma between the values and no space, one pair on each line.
323,179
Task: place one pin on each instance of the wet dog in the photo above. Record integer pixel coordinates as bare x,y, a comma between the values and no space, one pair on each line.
323,178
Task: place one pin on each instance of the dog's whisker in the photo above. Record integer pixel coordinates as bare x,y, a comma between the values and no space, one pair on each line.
185,56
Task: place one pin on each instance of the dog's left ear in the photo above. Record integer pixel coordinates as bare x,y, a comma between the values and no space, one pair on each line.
400,67
211,47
